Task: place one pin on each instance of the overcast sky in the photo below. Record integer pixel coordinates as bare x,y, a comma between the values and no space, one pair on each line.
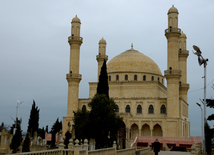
34,52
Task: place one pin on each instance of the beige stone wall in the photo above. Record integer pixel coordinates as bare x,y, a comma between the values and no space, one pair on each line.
132,89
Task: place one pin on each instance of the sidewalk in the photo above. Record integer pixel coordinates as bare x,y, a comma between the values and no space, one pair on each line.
173,153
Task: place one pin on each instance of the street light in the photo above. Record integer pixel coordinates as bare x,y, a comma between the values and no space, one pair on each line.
201,61
18,104
201,124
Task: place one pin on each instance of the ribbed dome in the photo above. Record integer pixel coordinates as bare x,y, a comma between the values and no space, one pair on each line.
183,35
173,10
132,61
102,41
76,20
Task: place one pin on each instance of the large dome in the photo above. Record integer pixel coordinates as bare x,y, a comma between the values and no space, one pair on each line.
133,61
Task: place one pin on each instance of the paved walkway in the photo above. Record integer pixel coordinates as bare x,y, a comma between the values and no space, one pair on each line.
173,153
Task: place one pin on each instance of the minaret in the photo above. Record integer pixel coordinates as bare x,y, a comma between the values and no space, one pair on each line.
183,54
172,73
101,55
73,77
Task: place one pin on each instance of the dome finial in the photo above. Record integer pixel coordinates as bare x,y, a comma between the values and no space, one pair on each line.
132,46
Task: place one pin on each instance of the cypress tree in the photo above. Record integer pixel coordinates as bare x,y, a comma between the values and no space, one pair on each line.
17,138
26,144
102,86
208,138
104,123
57,126
33,123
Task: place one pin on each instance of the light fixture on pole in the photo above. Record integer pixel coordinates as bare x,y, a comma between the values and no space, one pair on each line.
201,124
18,104
201,61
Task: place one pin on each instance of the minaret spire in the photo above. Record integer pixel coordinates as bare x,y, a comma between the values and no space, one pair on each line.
101,55
73,77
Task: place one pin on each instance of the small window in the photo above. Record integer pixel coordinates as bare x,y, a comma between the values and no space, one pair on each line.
162,81
135,77
152,78
126,77
163,109
109,78
83,108
117,77
127,109
117,109
158,79
151,109
139,109
144,78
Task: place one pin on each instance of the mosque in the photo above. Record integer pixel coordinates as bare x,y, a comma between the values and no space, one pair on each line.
136,84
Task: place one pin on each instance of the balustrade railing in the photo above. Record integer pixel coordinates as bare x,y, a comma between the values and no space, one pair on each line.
102,57
172,72
183,52
172,30
74,76
184,85
77,38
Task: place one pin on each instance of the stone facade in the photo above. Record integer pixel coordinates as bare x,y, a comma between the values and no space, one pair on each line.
136,84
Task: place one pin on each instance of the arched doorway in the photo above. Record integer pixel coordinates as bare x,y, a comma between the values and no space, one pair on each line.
157,131
122,136
134,130
145,131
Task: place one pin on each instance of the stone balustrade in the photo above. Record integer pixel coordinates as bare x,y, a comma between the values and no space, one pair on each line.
172,72
183,52
77,38
172,30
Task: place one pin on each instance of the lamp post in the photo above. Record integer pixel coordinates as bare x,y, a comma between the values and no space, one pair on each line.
201,61
18,104
201,124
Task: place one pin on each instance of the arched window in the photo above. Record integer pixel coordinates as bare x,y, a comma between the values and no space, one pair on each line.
117,109
163,109
152,78
109,78
126,77
158,79
144,78
151,109
117,77
139,109
127,109
135,77
162,81
83,108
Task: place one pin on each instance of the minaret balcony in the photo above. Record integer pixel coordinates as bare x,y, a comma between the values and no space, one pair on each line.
102,57
184,85
73,76
73,39
172,73
172,30
183,52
